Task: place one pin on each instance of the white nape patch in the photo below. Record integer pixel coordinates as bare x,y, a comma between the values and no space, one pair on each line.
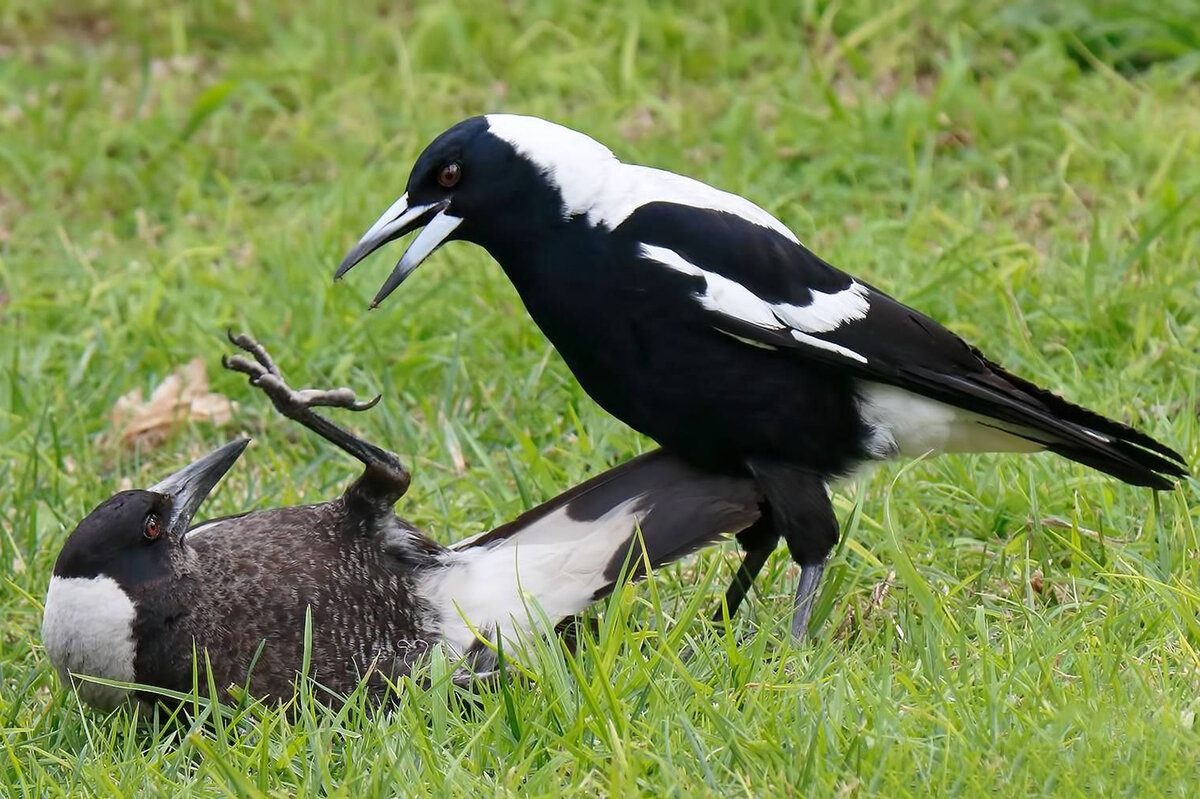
721,295
904,423
557,563
593,183
87,629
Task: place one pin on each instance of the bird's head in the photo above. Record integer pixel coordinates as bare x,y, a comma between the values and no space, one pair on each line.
129,536
129,544
491,180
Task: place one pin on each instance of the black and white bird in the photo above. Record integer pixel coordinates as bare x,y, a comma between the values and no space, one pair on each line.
701,320
137,589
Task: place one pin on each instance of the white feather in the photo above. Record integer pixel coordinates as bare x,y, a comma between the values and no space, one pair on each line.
87,629
829,346
593,183
827,311
904,423
557,562
721,294
730,298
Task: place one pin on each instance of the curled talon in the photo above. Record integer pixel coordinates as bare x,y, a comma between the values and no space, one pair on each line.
333,398
237,363
246,342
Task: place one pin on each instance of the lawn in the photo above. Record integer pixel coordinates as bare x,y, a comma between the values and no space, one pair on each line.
1019,625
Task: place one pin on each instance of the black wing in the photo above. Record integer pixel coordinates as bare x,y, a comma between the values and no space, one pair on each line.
760,286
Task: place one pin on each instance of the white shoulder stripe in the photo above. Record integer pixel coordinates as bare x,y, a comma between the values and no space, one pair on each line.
593,183
721,294
825,313
822,344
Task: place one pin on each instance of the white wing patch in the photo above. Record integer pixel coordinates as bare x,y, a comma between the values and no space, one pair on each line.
557,563
827,311
593,183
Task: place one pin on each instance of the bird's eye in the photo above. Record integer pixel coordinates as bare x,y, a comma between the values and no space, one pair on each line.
150,529
450,174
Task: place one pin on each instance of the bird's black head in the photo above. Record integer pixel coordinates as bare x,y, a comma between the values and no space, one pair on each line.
126,552
133,536
123,538
494,180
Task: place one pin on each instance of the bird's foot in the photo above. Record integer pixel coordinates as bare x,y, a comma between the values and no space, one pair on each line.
264,374
385,479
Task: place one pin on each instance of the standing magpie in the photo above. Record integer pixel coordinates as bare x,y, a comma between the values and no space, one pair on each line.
701,320
136,589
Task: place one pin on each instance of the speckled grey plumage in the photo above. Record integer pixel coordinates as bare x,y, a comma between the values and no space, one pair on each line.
235,592
250,579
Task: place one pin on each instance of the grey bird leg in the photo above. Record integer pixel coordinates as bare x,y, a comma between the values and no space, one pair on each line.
806,595
799,505
385,479
758,541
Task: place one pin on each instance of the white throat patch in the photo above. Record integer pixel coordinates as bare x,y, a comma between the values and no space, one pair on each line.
87,629
593,183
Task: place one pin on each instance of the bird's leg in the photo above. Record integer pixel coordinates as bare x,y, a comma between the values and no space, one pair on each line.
758,541
799,504
385,479
806,594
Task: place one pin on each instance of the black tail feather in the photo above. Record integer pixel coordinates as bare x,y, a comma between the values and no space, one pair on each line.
1123,433
1062,427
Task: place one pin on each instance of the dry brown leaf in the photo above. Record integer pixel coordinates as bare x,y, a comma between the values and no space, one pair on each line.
182,397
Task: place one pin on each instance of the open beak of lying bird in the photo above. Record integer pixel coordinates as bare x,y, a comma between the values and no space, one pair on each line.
137,587
702,321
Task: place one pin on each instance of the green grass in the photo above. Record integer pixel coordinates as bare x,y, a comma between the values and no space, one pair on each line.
167,171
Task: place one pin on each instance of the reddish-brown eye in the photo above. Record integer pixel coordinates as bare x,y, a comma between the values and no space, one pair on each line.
450,174
151,528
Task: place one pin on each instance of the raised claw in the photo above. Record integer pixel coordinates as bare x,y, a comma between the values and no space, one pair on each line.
334,398
246,342
264,375
238,363
385,479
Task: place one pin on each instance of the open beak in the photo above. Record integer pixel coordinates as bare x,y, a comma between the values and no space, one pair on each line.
395,222
189,486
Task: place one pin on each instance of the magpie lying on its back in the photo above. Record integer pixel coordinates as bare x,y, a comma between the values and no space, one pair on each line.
135,587
700,320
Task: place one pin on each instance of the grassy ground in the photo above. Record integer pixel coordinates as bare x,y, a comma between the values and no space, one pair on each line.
1012,624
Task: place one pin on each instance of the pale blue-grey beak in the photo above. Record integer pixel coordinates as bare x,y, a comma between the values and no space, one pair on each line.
396,222
192,484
